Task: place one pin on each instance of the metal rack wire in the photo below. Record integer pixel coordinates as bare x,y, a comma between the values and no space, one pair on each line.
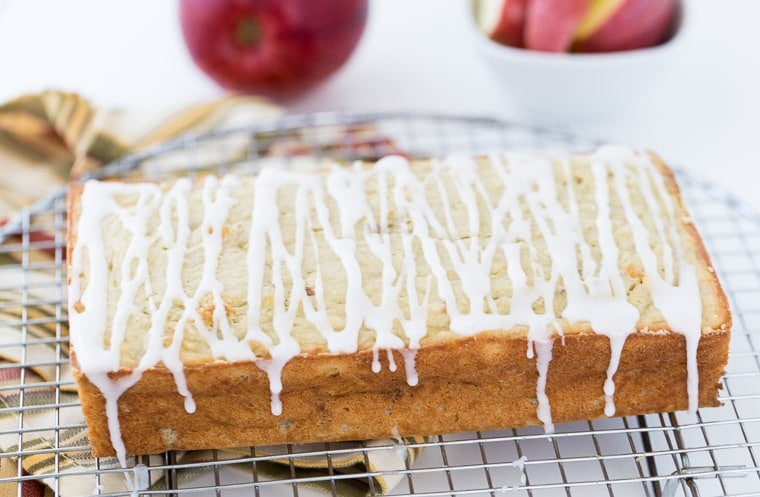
715,452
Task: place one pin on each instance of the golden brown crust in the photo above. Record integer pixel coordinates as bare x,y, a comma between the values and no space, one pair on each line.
474,383
492,386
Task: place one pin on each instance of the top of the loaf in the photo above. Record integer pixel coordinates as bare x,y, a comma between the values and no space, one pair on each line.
392,255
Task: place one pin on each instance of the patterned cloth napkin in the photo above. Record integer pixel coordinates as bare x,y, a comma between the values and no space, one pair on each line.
46,139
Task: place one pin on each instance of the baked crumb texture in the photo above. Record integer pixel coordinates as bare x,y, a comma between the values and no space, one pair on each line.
405,298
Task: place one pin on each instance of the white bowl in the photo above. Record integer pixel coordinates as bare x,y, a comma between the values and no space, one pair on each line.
569,87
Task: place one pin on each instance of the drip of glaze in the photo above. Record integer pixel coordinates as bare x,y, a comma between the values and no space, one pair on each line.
141,479
410,357
399,447
621,318
391,361
175,241
520,465
376,367
543,358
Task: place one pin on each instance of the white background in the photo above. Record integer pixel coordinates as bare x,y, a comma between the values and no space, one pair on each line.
703,114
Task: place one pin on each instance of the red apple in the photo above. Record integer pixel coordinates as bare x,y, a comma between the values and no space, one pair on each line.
510,26
551,24
614,25
276,48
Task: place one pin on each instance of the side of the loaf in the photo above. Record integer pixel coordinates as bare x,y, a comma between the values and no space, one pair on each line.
479,383
396,299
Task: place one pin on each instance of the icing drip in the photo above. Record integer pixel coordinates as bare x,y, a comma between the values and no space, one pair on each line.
376,367
528,226
520,465
543,358
176,247
265,226
399,447
410,356
141,479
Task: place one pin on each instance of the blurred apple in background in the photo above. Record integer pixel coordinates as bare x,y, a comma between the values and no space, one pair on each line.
578,25
274,48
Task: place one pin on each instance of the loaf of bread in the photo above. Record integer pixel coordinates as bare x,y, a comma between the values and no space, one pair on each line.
389,299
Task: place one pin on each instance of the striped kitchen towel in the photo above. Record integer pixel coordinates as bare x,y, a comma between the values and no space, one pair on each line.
49,137
45,140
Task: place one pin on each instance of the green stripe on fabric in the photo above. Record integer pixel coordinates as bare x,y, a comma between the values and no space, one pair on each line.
105,148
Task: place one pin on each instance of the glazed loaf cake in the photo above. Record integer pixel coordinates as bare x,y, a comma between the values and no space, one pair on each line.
395,298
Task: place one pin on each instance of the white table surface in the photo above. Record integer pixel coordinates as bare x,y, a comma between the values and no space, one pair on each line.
703,114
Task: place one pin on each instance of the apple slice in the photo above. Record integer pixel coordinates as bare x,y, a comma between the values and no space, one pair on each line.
550,25
614,25
511,24
599,12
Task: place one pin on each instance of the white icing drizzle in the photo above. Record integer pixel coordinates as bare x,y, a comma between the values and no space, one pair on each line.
97,359
410,357
176,248
621,318
526,213
377,367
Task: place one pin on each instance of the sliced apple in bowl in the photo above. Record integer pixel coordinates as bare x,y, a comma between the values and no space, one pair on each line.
550,25
545,76
510,21
584,26
616,25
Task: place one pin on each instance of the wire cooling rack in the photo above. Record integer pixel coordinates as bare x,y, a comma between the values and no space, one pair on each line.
714,452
